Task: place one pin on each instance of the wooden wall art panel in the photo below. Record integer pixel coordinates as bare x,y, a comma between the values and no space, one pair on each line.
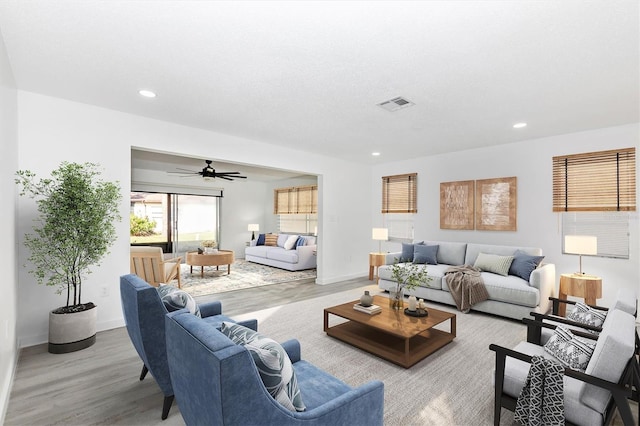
456,205
496,204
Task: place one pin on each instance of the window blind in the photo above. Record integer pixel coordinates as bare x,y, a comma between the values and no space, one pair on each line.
595,181
296,200
399,193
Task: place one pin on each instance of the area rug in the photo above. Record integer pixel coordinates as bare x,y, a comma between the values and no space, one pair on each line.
243,275
452,386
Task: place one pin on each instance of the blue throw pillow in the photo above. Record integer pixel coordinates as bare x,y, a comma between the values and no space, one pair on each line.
260,241
523,264
425,254
301,241
407,253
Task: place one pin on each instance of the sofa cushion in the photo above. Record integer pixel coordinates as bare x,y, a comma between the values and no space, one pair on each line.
260,241
271,240
175,299
282,238
435,272
614,348
585,314
291,242
425,254
257,251
572,351
449,253
523,264
317,386
493,263
509,289
272,362
289,256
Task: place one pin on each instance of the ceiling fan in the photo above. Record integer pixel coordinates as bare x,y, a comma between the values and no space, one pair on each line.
209,172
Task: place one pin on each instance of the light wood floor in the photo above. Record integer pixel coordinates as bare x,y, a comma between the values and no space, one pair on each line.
100,386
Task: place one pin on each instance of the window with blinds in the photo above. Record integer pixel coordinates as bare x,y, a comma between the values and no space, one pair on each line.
611,229
400,193
595,181
296,200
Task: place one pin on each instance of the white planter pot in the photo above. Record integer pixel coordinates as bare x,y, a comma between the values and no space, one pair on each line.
72,332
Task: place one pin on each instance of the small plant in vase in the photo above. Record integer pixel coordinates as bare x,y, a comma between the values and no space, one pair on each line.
209,246
407,276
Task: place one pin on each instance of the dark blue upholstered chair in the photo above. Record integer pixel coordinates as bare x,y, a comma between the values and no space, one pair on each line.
144,316
216,382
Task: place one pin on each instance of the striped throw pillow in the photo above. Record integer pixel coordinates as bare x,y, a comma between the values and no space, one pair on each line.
271,239
493,263
273,363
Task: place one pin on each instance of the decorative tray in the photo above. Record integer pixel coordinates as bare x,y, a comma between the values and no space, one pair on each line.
417,313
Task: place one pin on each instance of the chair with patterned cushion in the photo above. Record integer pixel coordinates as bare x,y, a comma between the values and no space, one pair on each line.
144,314
590,397
149,263
217,382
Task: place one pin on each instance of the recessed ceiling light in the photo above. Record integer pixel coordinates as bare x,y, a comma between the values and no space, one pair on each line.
519,125
147,93
375,154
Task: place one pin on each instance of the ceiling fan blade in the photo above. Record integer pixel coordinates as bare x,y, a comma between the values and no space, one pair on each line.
228,173
186,172
232,176
225,178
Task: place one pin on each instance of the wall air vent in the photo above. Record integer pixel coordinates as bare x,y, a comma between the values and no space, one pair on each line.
395,104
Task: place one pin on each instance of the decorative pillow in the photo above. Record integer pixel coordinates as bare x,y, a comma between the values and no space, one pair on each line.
493,263
282,238
175,299
301,241
291,242
425,254
585,314
270,239
572,351
260,241
407,253
523,264
273,363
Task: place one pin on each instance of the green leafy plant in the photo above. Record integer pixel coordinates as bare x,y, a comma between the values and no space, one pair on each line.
407,275
141,226
74,228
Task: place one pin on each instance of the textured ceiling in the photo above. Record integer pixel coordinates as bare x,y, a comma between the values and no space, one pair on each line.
309,74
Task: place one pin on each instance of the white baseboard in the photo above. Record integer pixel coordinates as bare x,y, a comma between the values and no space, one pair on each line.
332,280
7,385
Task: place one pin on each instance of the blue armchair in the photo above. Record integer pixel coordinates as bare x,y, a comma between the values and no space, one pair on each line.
144,316
216,382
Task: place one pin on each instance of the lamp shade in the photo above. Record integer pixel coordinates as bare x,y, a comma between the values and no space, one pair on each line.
381,234
580,244
253,227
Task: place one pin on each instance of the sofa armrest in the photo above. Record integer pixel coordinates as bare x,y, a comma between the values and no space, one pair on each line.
292,348
210,309
544,279
390,258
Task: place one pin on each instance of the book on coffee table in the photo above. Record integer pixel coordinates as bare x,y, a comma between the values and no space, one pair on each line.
372,309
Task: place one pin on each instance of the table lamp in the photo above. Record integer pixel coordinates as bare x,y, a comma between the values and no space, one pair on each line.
253,227
380,234
580,244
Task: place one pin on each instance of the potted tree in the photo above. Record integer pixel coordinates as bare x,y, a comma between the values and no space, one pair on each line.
73,232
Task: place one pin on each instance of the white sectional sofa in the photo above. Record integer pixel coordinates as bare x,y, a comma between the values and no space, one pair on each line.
509,296
301,256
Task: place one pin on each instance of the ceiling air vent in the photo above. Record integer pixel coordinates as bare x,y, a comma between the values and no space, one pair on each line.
395,104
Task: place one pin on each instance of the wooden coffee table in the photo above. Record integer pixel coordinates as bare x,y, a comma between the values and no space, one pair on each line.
222,257
391,334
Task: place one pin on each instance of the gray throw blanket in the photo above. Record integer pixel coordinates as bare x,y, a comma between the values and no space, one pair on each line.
466,286
541,401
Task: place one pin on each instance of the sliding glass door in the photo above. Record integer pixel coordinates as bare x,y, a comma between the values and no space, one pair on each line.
196,219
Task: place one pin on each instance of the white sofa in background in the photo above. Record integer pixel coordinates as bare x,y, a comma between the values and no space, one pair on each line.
301,256
509,296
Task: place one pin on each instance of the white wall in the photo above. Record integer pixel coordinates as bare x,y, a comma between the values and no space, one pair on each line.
52,130
8,261
538,226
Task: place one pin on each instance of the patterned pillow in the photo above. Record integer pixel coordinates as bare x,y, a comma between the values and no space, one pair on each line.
585,314
301,241
572,351
493,263
175,299
273,363
271,240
